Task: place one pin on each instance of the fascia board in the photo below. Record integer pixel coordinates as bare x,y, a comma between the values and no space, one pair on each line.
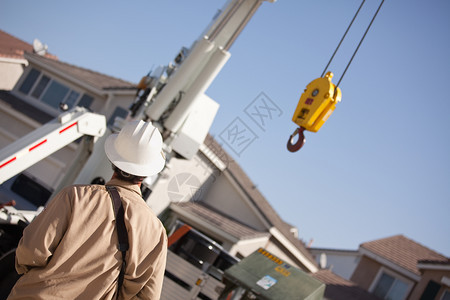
294,250
20,61
436,267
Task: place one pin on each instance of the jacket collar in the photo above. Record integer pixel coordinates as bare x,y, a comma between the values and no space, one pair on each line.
126,185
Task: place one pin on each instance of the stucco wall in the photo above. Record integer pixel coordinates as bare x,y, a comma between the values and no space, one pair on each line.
428,275
224,196
183,180
365,272
10,72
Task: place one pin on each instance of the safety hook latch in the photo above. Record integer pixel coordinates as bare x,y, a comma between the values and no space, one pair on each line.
294,147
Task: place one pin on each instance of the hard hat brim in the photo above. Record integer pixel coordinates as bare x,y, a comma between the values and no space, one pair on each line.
149,169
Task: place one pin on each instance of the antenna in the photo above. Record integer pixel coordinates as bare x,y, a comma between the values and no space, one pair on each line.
39,48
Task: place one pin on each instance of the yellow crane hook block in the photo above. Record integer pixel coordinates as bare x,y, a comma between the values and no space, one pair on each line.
317,103
315,106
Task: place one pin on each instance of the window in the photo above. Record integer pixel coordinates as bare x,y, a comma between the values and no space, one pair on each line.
118,112
37,92
86,101
446,295
71,99
29,81
431,290
390,287
52,92
55,94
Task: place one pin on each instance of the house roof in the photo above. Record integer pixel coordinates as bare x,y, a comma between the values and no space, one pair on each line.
256,197
217,219
403,252
12,47
93,78
104,82
338,288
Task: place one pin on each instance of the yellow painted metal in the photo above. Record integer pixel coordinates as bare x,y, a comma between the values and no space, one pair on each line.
142,85
317,103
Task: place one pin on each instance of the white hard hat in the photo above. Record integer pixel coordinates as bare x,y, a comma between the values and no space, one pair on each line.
136,149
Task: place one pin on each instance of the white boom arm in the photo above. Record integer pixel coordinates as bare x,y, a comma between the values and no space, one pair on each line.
49,138
176,92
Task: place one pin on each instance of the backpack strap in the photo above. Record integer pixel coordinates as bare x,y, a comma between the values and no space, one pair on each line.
122,233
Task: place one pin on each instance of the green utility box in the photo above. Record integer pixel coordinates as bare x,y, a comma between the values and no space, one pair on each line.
267,277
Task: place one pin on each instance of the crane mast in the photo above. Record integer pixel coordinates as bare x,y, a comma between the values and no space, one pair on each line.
169,95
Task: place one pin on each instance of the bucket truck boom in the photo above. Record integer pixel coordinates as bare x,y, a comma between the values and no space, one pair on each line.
49,138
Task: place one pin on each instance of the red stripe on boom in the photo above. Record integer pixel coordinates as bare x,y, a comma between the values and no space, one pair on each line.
37,145
62,130
11,160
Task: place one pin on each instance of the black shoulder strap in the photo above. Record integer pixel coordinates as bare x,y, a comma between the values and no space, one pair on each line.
121,231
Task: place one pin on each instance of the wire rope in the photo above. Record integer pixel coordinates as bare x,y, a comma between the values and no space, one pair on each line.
343,37
360,42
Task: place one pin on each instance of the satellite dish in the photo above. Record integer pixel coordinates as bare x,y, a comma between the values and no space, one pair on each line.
323,260
39,48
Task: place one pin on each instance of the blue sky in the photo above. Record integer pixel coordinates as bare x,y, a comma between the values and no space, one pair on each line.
380,165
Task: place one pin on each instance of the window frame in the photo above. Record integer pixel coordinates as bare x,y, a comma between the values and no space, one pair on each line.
384,270
38,102
446,291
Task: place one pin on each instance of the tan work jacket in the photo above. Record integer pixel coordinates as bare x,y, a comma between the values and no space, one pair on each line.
70,250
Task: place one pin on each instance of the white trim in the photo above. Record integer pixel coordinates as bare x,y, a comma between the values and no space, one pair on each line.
384,270
242,243
293,249
436,267
212,157
261,239
21,61
389,264
246,198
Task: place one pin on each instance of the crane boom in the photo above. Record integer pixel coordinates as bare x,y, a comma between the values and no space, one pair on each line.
173,94
49,138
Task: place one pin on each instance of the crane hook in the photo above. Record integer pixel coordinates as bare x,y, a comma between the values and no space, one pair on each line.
300,142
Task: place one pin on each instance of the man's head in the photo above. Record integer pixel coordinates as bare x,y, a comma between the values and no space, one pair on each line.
136,150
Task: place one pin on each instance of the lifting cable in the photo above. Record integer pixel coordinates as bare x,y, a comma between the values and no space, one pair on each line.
309,116
360,42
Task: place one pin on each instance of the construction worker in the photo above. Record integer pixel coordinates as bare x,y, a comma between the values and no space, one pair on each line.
70,250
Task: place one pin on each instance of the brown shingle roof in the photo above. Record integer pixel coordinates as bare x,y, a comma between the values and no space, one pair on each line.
225,223
256,197
93,78
338,288
403,252
12,47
